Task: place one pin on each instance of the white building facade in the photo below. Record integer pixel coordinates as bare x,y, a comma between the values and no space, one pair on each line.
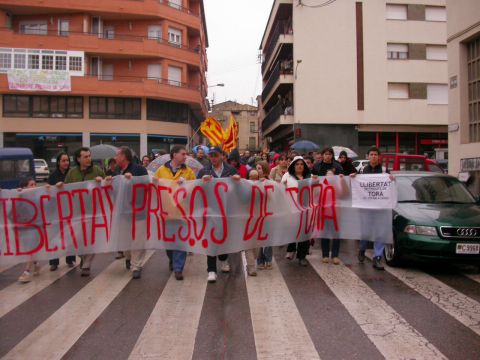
357,73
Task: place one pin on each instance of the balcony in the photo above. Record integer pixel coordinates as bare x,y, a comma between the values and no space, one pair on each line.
130,86
280,75
161,9
110,44
276,117
282,28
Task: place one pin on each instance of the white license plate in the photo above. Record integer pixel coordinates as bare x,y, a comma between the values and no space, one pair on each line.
468,249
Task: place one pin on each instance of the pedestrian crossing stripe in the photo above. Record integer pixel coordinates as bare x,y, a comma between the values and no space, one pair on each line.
278,328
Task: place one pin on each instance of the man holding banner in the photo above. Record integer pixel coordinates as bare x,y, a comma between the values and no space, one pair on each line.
176,170
84,171
217,169
374,167
124,160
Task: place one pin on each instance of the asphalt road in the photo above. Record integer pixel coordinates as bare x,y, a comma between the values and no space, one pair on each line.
322,311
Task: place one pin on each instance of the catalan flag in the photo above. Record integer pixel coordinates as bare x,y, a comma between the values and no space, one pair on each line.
231,136
213,131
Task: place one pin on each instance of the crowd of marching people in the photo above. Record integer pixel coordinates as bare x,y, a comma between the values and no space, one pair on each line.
284,168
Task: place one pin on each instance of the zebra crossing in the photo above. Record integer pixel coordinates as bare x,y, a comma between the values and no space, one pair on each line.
323,311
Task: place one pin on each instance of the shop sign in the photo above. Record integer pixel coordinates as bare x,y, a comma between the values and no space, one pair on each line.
471,164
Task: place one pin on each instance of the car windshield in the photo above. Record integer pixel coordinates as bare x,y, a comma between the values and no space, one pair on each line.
39,163
432,189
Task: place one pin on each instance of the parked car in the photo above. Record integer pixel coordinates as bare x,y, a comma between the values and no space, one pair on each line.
359,164
16,164
436,218
401,162
41,170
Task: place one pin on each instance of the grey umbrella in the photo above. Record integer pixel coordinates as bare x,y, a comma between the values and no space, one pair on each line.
305,145
103,151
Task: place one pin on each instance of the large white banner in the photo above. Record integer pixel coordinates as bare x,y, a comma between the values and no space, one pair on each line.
216,217
38,80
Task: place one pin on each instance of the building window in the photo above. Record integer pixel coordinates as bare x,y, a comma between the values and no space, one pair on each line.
174,76
19,61
47,62
63,27
175,37
5,61
177,4
61,62
43,106
16,106
109,32
435,13
167,111
252,126
437,94
75,63
397,91
42,59
436,52
40,106
155,32
252,143
473,64
115,108
397,51
34,27
33,61
396,12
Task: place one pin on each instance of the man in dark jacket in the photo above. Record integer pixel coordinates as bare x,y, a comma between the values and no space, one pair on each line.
374,166
58,176
124,159
346,163
201,158
328,163
234,160
217,169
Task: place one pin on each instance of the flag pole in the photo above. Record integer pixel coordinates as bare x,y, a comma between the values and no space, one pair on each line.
190,139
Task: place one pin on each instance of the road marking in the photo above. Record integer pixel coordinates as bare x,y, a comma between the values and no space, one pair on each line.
279,330
393,336
6,267
55,336
17,293
172,326
456,304
474,277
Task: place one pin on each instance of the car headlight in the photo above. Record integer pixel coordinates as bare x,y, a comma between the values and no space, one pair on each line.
421,230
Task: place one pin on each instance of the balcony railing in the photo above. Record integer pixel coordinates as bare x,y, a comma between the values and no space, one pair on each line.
104,36
278,70
272,116
138,79
283,27
178,7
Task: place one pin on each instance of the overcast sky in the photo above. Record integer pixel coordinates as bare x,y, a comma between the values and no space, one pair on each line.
235,29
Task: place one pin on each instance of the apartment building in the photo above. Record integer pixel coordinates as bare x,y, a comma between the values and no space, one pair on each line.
463,42
356,73
247,119
120,72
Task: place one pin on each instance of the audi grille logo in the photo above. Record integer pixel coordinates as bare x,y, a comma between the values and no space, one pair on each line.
467,232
